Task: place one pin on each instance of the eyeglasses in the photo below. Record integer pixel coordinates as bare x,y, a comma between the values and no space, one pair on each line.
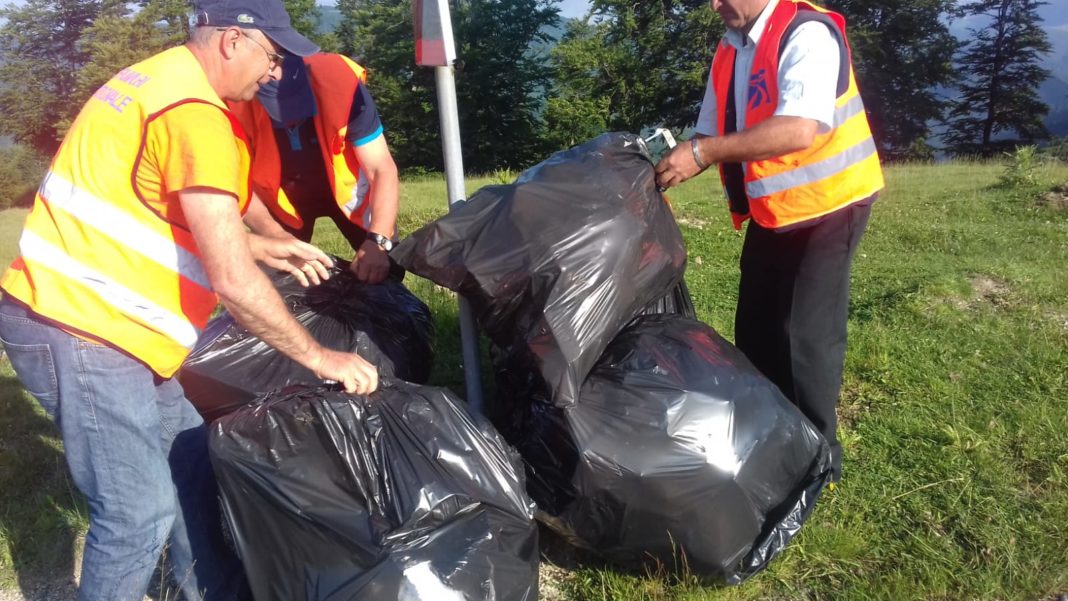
274,58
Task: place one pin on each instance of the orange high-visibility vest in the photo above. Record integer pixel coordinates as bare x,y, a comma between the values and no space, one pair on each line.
839,168
334,79
99,255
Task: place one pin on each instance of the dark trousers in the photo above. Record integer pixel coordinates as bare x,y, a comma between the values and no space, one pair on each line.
793,304
352,232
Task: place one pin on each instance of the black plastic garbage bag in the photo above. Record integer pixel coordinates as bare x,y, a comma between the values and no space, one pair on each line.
678,447
558,262
384,323
402,495
676,302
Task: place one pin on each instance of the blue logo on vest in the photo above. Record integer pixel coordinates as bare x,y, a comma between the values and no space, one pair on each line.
758,89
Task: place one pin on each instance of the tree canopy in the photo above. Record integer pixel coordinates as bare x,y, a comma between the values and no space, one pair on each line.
634,65
1001,74
523,93
43,55
903,58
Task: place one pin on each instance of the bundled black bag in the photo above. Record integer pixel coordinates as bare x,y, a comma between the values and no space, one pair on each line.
384,323
676,302
558,262
402,495
678,450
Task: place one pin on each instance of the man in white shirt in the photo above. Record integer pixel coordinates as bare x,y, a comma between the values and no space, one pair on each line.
783,119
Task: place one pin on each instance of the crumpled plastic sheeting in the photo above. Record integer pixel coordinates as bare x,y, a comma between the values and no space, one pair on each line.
676,302
384,323
402,495
678,451
555,264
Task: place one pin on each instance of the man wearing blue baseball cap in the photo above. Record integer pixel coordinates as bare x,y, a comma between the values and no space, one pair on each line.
319,151
267,16
135,235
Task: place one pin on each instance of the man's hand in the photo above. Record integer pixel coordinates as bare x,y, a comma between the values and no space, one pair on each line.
677,166
307,263
371,263
354,373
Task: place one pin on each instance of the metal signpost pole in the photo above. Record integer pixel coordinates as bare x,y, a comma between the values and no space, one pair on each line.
434,47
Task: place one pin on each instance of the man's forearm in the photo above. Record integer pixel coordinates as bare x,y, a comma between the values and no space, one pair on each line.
244,290
384,197
258,218
772,138
256,305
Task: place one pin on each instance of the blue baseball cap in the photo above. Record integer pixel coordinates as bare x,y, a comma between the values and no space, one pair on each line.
268,16
289,99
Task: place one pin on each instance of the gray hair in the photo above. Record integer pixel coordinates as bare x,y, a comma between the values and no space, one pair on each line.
201,35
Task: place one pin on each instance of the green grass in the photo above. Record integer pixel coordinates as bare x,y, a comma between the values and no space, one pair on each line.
954,410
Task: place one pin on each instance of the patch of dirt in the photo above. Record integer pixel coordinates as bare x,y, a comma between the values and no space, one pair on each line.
65,588
986,291
990,290
851,407
1061,319
1057,199
61,590
692,222
558,561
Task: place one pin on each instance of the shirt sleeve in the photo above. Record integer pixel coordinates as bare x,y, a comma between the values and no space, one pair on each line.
364,123
195,146
706,119
808,75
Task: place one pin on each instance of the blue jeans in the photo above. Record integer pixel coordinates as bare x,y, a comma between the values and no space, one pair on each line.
137,450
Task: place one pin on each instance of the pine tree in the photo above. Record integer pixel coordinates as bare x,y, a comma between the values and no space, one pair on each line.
1002,72
902,56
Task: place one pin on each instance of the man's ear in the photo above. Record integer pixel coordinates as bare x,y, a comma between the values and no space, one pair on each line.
228,42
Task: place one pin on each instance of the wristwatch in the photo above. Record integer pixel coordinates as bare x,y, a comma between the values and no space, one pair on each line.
379,239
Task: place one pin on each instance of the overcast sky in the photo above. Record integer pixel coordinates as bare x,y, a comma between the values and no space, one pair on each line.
573,8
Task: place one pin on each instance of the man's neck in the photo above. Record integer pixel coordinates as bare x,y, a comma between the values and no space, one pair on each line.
752,21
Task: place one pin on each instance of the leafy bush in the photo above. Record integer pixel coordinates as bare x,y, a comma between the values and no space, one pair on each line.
1022,170
21,170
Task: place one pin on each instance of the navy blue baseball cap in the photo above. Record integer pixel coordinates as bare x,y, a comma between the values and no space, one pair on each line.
289,99
269,16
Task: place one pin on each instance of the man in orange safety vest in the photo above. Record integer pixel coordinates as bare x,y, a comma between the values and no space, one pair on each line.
134,237
783,120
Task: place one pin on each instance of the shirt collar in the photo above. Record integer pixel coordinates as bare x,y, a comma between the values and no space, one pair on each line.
734,36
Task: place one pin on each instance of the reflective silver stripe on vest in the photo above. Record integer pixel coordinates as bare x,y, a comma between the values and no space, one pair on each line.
177,328
848,110
113,221
811,173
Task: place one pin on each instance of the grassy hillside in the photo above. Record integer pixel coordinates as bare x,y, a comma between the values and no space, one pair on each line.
954,411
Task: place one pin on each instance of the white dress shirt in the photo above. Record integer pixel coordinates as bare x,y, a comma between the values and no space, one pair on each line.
808,75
